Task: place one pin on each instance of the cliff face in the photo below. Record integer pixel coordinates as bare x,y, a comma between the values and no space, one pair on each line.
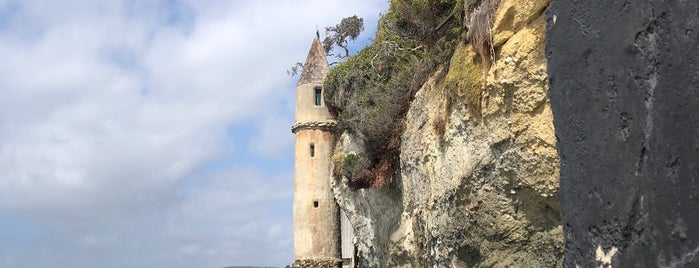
477,182
625,92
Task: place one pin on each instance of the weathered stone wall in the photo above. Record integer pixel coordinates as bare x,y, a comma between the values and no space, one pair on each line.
318,263
625,97
316,214
483,192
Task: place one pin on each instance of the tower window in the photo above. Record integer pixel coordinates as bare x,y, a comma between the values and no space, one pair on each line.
313,150
318,95
315,204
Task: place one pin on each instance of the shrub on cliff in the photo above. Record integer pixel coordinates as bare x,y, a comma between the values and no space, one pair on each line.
370,93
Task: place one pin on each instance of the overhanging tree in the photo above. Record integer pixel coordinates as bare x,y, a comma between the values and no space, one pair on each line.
341,34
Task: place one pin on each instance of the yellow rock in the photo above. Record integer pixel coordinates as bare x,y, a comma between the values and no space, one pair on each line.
513,15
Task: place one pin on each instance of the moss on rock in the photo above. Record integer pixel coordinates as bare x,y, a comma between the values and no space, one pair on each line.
465,79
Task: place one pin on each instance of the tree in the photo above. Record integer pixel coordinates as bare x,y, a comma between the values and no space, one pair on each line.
341,34
295,70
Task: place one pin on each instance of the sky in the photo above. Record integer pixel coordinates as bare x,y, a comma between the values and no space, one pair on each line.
152,133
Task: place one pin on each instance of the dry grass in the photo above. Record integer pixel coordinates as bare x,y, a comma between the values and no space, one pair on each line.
465,78
480,18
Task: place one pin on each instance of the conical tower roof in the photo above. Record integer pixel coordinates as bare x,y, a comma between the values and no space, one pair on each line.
316,67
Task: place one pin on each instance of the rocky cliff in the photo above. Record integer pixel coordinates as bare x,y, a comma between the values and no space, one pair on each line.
474,178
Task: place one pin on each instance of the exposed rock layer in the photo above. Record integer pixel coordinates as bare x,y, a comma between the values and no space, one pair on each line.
624,93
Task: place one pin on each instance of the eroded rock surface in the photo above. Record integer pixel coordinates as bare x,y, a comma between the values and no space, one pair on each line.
484,189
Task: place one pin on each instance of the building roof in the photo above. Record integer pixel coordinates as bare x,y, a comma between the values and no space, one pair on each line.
316,67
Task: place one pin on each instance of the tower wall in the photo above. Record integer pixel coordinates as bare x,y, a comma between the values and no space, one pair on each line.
306,110
316,213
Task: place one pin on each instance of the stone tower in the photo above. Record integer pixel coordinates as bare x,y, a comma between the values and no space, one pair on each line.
316,214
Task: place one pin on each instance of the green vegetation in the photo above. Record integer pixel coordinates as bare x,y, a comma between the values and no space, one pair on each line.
353,166
370,93
341,34
350,161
